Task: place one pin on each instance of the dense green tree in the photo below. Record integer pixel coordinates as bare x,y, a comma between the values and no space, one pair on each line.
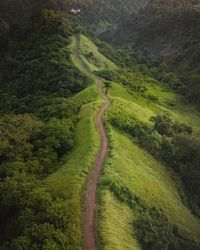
31,216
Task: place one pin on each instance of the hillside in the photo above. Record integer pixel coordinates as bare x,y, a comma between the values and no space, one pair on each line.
168,33
102,15
132,176
17,10
100,145
41,119
112,11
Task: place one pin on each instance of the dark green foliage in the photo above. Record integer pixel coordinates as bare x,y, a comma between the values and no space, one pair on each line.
186,161
58,135
163,74
155,232
29,150
17,133
125,58
37,120
32,146
165,126
110,12
4,32
124,195
121,57
37,59
60,108
170,35
18,10
137,63
31,217
107,86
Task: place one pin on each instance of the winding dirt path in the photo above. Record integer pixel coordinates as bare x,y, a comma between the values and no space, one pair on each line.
89,226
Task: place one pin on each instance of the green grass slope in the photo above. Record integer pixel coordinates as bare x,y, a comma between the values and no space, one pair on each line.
134,167
94,60
168,102
127,163
149,180
141,173
115,224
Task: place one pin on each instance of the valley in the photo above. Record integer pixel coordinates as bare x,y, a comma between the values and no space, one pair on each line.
100,147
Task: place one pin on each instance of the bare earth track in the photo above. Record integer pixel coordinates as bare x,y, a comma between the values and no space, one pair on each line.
89,226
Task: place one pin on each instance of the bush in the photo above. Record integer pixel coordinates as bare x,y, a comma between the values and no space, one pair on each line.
155,232
31,217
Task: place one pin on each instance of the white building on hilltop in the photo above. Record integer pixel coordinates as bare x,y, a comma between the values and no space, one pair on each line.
75,11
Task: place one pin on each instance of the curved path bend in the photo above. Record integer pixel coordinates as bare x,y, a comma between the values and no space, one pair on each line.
89,227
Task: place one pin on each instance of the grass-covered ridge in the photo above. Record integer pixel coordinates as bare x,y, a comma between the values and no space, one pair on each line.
72,174
94,60
147,178
132,171
52,106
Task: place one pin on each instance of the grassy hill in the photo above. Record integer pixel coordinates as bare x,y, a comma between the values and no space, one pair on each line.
130,166
71,177
148,195
90,55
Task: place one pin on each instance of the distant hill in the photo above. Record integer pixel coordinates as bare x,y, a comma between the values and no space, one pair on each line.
15,10
114,11
111,10
157,16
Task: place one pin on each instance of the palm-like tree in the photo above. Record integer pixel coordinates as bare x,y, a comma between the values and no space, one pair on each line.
107,86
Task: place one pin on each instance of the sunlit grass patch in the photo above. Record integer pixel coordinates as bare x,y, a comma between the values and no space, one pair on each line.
116,224
92,57
150,180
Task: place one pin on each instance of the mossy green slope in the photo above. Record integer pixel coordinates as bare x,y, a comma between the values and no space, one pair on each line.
90,55
126,163
148,179
140,172
116,224
143,109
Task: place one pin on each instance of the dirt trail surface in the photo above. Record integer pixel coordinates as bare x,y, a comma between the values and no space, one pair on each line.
90,242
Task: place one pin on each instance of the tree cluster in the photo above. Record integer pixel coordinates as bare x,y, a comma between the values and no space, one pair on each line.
37,120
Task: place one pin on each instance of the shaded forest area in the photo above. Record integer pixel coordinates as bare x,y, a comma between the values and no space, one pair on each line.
169,34
36,129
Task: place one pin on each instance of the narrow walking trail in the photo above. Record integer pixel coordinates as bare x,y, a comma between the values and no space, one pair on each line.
89,226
